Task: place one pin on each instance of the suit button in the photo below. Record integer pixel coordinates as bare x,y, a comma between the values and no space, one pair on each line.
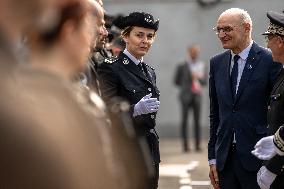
234,110
149,89
134,91
152,116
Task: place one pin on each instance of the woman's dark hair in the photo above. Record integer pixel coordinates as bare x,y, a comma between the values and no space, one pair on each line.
126,31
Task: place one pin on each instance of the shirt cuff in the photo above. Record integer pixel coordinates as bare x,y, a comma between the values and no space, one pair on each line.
212,162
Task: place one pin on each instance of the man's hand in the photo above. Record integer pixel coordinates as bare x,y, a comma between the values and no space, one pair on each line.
265,178
213,175
264,148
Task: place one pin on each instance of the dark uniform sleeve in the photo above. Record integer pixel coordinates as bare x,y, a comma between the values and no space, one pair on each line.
278,139
108,82
275,164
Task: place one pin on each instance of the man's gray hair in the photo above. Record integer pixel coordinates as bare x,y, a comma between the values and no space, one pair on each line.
244,15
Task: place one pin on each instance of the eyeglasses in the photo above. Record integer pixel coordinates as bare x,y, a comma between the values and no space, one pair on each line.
226,29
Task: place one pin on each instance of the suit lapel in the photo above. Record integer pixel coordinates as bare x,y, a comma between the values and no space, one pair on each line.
133,68
250,66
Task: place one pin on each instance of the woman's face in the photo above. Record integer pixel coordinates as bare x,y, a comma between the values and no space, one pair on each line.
139,41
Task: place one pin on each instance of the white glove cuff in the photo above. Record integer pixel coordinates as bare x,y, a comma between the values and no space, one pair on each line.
136,111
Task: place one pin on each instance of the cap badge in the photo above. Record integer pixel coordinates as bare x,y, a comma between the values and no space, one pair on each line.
148,19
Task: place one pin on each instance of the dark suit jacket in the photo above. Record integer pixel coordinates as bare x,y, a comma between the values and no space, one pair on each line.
120,77
275,120
247,114
183,79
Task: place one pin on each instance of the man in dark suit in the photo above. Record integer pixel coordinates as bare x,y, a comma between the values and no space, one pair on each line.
240,81
189,77
271,175
128,77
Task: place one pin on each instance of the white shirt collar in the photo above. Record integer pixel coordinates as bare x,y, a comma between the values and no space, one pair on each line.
135,60
244,54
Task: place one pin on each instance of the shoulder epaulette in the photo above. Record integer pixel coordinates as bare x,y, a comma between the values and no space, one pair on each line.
111,59
150,66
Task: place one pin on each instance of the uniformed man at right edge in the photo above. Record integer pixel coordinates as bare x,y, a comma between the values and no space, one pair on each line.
271,175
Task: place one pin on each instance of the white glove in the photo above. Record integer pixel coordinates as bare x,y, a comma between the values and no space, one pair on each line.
146,105
265,178
264,148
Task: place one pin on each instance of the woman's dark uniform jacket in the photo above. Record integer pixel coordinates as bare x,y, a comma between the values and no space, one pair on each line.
121,77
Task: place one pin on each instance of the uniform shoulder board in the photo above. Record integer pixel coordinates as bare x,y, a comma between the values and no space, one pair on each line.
150,67
111,60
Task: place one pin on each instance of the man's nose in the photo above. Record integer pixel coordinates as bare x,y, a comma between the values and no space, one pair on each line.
221,33
105,32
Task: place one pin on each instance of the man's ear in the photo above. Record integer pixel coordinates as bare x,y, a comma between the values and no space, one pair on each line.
281,41
247,27
125,39
67,30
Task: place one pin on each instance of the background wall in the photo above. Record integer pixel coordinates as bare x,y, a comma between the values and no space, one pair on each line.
183,22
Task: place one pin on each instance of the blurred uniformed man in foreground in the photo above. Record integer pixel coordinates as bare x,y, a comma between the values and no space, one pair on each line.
98,52
128,77
47,139
271,175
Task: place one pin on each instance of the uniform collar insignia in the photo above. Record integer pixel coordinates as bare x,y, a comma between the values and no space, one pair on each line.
111,60
125,61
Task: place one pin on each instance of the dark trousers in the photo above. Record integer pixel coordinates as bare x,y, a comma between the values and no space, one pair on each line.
193,105
234,176
155,179
153,142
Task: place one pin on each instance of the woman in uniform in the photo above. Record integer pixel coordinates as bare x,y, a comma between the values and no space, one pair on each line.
129,78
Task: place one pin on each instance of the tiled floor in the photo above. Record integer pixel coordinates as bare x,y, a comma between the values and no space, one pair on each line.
180,170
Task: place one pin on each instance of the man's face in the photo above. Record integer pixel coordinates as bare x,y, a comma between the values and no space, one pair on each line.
102,33
193,52
231,32
275,43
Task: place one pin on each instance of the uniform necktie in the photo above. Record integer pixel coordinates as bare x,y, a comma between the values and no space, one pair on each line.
142,69
234,75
